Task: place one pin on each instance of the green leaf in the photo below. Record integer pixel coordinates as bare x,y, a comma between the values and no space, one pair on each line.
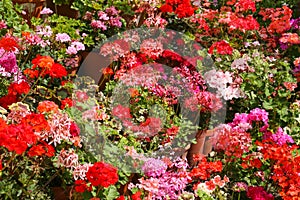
111,193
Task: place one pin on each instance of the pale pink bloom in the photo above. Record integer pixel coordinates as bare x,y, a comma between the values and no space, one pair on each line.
78,45
240,64
151,48
79,171
17,112
71,50
59,129
103,16
46,11
68,159
62,37
2,24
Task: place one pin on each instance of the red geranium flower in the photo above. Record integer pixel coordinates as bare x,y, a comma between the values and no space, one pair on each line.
222,48
67,102
107,71
19,88
57,71
121,198
36,151
74,129
9,43
136,196
8,100
102,174
80,186
166,8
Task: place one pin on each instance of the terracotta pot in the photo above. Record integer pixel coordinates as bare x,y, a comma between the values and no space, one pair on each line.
203,146
61,193
32,8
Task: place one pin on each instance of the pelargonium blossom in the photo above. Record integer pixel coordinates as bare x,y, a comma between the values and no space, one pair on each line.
154,167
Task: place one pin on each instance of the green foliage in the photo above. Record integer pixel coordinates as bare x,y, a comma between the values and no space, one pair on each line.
11,14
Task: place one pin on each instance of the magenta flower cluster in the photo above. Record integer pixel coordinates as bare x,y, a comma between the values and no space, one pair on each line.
104,20
170,184
154,167
258,193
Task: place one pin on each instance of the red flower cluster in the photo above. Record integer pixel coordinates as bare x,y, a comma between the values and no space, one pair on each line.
67,102
74,129
222,47
286,167
19,88
45,65
41,149
14,90
245,5
136,196
251,161
102,174
81,186
9,43
37,122
243,23
204,169
47,107
17,137
107,71
234,143
182,8
121,198
280,19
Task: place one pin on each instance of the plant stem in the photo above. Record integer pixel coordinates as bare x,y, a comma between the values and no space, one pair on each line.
31,88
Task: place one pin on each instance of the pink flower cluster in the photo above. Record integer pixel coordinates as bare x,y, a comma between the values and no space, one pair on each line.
62,128
62,37
109,18
280,137
75,47
233,138
234,142
223,83
117,49
8,63
70,160
2,24
154,167
46,11
152,48
244,121
170,184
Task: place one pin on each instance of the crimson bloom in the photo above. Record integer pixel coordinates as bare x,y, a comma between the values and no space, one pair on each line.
18,88
9,43
102,174
136,196
222,47
80,186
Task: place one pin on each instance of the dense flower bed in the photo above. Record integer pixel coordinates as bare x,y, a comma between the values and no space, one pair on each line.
186,99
